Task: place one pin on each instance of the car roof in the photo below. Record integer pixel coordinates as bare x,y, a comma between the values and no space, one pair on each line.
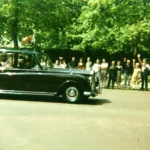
21,50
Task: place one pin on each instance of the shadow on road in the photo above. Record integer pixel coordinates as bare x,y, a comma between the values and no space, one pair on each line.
96,101
90,101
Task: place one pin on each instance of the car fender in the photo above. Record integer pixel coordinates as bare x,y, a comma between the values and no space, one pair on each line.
66,83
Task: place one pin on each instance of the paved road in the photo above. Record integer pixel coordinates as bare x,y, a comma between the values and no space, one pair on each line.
116,120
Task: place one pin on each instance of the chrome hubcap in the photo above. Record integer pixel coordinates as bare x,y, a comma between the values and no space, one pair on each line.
72,93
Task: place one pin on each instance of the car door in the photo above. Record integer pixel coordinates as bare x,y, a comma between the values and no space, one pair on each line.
9,78
45,81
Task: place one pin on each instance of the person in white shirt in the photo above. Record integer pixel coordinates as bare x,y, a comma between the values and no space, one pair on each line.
63,64
144,74
96,68
88,64
104,69
119,69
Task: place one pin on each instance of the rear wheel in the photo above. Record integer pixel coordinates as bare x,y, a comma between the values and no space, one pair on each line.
72,94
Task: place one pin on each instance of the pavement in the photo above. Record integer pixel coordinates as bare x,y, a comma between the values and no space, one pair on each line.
113,120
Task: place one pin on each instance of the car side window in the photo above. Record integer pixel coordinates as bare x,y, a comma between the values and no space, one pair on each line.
7,60
20,60
44,60
34,63
23,61
27,61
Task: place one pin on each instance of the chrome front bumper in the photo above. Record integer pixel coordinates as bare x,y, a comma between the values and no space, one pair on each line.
93,93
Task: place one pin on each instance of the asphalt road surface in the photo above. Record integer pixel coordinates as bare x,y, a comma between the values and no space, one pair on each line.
116,120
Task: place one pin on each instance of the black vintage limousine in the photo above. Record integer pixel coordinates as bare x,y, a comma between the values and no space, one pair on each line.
31,73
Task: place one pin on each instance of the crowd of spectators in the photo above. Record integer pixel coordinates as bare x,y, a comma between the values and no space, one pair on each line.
132,74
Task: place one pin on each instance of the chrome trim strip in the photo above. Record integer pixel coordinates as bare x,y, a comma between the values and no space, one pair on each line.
15,92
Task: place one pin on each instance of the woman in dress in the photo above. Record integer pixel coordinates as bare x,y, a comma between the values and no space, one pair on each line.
81,64
136,76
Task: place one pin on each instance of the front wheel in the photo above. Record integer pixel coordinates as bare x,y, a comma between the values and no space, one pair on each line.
72,94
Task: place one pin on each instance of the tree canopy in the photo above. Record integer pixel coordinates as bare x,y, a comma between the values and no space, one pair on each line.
95,25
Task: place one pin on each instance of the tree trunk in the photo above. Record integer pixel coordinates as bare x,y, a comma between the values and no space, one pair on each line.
15,26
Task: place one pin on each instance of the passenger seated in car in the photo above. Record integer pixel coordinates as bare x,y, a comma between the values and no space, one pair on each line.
21,62
27,64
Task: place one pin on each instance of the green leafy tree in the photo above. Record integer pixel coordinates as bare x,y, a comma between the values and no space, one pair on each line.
114,26
110,25
50,20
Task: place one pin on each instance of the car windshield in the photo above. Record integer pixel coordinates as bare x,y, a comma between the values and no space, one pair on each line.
45,61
